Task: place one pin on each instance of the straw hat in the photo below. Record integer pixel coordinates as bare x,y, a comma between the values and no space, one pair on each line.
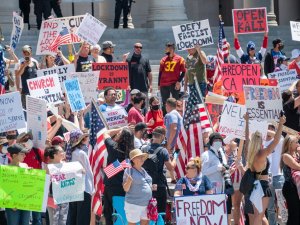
76,136
137,152
23,136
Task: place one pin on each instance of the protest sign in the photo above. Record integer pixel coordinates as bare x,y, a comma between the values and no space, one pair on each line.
74,94
190,34
115,118
268,82
62,71
295,29
283,211
18,26
251,20
11,112
112,75
234,76
263,102
285,78
88,83
46,87
91,29
214,111
37,120
22,188
201,209
121,96
67,182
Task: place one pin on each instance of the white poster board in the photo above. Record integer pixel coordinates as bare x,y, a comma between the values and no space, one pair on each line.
74,94
37,120
11,112
91,29
285,78
283,211
47,88
16,33
201,209
115,118
68,182
62,71
295,30
190,34
263,102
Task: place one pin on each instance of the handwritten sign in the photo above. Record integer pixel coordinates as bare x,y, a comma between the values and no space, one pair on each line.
91,29
285,78
263,102
18,26
190,34
295,29
11,112
251,20
74,94
283,211
201,209
67,182
22,188
62,71
112,75
234,76
115,118
88,83
46,87
37,120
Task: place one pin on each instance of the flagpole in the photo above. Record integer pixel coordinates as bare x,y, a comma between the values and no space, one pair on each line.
100,114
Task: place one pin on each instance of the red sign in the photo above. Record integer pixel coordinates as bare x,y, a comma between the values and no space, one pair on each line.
112,75
234,76
215,111
268,82
252,20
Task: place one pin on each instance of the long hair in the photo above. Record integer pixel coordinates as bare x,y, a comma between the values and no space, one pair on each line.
286,146
254,146
125,143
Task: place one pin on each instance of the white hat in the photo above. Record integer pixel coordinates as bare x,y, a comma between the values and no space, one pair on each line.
295,53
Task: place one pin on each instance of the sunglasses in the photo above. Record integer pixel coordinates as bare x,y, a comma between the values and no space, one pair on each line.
191,167
140,47
252,49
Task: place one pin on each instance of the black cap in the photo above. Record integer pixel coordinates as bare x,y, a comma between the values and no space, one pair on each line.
276,41
215,136
16,148
140,126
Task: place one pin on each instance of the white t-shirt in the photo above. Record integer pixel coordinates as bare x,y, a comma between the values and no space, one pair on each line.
275,157
138,142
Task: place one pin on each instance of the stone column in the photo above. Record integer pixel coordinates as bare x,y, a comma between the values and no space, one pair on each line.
166,13
271,15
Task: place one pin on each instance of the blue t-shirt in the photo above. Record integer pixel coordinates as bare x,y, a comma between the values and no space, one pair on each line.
173,117
276,56
205,185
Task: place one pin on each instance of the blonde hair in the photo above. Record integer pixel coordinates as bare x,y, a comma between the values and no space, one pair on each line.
255,146
197,162
286,146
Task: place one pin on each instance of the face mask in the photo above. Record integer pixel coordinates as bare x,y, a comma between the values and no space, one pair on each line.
4,150
283,67
11,137
155,107
29,144
167,53
217,145
281,47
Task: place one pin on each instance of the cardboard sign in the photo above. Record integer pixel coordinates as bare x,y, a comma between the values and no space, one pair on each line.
74,94
37,120
51,28
201,209
285,78
214,110
295,30
91,29
11,112
251,20
62,71
115,118
68,182
88,84
196,33
47,88
22,188
283,211
112,75
234,76
263,102
18,26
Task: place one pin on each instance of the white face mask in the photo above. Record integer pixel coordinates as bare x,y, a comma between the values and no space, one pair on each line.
283,67
217,145
4,150
29,144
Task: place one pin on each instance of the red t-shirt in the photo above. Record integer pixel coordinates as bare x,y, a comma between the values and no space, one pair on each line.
170,69
135,116
293,65
158,118
32,160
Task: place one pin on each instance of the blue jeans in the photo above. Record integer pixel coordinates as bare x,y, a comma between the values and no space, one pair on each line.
277,183
203,87
36,218
18,217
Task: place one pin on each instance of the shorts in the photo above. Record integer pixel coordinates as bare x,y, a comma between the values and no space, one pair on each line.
135,213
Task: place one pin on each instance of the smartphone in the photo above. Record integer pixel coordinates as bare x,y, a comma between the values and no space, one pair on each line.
281,113
26,58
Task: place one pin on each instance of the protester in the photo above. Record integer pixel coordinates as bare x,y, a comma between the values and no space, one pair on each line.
12,54
210,69
140,134
11,137
83,61
16,216
231,59
110,96
291,109
58,214
95,50
154,113
118,142
295,64
272,57
108,50
138,187
135,114
122,5
194,183
282,64
288,162
51,58
133,93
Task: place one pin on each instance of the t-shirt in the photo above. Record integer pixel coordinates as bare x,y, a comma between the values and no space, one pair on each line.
276,56
170,69
195,65
135,116
84,64
138,142
29,73
140,191
139,67
108,58
158,118
34,160
173,117
182,185
104,107
130,105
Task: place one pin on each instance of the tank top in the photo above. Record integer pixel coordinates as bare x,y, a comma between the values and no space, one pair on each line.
29,73
266,170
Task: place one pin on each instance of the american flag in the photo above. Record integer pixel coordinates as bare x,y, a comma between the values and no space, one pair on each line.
97,156
190,140
222,52
2,73
126,163
113,169
63,38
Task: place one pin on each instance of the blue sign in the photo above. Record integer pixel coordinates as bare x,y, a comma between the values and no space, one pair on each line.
74,95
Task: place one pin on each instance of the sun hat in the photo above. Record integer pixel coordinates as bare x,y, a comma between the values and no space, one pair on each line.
76,136
137,152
